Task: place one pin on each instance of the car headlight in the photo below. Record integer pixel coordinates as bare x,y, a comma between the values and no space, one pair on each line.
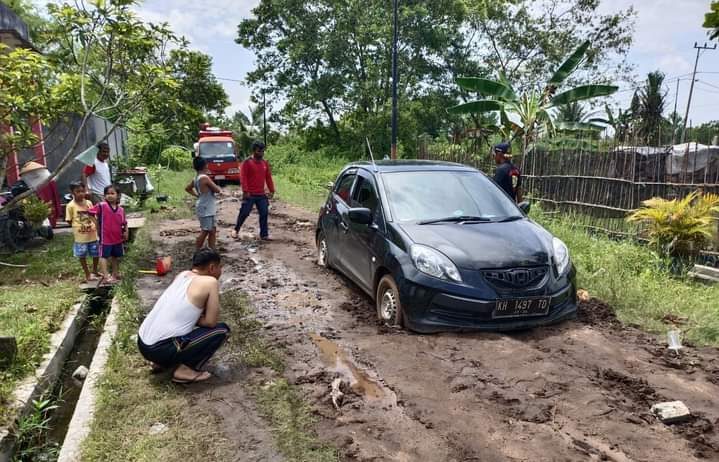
561,255
434,263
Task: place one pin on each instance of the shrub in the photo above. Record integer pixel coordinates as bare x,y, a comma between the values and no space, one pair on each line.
176,158
35,210
679,227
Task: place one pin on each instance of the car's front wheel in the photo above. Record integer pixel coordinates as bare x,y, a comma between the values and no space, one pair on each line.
322,250
389,306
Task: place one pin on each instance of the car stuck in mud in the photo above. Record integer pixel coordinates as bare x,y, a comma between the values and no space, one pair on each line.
440,246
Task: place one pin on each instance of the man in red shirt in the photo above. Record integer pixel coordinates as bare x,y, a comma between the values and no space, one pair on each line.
255,172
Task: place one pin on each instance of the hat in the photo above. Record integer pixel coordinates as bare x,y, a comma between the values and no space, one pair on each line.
502,147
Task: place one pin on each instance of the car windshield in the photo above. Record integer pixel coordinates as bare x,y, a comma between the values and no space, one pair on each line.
215,149
443,195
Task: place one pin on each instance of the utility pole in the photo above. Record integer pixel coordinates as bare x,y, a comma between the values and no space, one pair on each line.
691,88
395,37
264,118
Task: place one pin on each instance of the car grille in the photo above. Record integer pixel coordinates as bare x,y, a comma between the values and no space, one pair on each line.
517,278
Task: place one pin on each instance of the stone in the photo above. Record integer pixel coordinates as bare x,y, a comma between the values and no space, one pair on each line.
8,351
158,428
80,373
671,412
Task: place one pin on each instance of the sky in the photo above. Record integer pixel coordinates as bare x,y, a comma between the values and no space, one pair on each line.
665,33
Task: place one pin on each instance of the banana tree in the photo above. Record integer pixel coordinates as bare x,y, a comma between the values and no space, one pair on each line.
534,111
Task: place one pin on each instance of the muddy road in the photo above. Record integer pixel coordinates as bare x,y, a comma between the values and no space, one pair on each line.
578,391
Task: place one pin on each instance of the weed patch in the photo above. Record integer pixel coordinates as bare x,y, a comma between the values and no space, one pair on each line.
638,284
292,422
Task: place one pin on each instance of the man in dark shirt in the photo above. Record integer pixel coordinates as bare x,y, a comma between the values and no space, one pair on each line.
507,175
255,173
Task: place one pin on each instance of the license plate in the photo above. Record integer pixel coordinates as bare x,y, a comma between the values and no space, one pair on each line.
521,307
219,177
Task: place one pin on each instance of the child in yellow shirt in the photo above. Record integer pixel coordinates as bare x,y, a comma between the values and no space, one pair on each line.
84,230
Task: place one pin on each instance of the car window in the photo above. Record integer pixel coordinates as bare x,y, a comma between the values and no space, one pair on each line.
364,194
344,186
429,195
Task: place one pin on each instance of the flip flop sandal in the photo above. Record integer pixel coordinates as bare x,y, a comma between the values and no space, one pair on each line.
234,234
195,379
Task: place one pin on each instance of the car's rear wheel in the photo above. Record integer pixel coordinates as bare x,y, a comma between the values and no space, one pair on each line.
389,306
322,250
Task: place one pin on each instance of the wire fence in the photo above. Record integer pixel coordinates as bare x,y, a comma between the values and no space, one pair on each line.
598,186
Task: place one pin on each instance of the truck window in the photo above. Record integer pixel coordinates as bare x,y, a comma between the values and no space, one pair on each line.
217,149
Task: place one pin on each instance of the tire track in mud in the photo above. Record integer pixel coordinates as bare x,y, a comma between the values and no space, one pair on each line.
578,391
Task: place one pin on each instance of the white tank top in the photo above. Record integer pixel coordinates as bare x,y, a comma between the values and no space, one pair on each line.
101,178
173,315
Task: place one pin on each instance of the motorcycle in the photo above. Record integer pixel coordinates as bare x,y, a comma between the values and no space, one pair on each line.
15,230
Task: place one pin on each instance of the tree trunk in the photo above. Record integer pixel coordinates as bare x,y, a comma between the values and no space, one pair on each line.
331,118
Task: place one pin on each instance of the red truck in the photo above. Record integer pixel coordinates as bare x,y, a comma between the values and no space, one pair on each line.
218,147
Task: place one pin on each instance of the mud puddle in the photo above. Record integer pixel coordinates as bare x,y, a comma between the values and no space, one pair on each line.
360,382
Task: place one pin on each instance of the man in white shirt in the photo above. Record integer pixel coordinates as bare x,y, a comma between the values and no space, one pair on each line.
183,327
97,177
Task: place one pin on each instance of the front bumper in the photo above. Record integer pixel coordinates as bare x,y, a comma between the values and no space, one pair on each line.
429,310
235,177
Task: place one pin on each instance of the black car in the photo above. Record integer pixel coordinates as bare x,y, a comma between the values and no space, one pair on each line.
440,247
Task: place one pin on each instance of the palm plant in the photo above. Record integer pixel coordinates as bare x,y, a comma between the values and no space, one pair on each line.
621,122
679,227
651,108
572,112
534,110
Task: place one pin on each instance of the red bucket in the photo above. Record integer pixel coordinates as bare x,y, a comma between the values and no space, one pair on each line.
163,265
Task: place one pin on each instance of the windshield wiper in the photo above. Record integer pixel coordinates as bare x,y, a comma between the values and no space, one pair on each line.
510,218
454,219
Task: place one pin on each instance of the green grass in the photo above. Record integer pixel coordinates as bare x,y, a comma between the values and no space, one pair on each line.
172,184
292,421
33,305
300,177
636,282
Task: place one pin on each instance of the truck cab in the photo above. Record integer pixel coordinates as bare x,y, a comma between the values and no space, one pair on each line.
218,147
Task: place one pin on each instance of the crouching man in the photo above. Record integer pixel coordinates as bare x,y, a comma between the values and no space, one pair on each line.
183,328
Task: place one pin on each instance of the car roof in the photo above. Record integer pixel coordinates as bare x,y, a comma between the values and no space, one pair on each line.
387,166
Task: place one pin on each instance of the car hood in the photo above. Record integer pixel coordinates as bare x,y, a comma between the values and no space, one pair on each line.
486,245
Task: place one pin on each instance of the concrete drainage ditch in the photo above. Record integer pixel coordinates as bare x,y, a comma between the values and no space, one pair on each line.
82,340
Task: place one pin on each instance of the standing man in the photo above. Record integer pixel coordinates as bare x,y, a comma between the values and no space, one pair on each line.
255,172
507,175
97,177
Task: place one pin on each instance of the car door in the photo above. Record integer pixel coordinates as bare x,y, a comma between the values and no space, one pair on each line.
335,227
360,246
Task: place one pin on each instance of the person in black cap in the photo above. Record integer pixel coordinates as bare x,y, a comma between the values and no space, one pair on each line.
507,175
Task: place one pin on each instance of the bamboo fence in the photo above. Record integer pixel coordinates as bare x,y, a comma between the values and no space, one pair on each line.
598,188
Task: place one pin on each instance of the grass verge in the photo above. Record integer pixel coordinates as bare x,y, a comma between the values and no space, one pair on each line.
635,281
33,305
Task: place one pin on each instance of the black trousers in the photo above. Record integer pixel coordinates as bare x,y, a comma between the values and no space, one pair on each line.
193,349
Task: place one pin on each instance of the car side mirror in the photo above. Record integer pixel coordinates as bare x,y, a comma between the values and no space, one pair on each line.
329,186
524,207
361,216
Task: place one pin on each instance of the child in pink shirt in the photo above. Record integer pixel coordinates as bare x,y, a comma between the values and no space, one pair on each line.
113,232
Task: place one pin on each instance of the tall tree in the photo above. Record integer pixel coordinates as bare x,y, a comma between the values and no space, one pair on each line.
572,112
330,59
110,58
527,39
651,108
711,21
173,116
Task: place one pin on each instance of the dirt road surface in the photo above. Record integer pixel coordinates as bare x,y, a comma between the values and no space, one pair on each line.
578,391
